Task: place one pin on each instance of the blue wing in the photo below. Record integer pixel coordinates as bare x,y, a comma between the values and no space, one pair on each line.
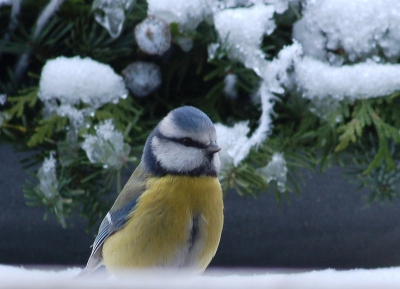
112,222
117,216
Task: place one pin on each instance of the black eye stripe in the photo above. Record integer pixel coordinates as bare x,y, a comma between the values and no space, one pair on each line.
185,141
188,142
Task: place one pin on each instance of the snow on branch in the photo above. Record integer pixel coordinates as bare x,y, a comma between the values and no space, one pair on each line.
348,50
74,80
342,30
318,80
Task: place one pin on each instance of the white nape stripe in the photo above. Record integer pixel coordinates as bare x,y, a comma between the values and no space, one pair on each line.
169,128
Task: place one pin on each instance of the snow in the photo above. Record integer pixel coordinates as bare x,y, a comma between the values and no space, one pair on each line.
188,14
19,277
230,140
212,50
339,30
230,85
107,147
348,52
275,73
3,99
185,43
111,14
3,116
279,5
48,186
75,80
318,80
153,35
276,170
264,127
343,50
142,78
243,28
47,177
76,117
68,148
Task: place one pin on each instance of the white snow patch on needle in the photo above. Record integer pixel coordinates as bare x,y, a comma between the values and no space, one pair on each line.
319,80
350,50
243,29
245,26
107,147
231,140
188,14
356,30
74,80
276,170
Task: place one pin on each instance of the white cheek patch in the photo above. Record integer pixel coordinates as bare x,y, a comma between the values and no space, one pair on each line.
175,157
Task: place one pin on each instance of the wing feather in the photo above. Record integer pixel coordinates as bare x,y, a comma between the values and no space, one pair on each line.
117,216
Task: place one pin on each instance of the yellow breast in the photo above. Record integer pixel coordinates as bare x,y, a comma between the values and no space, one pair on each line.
157,233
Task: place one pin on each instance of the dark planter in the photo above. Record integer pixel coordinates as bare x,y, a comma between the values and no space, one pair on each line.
327,225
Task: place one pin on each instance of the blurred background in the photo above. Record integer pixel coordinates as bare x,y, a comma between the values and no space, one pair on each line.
328,225
294,87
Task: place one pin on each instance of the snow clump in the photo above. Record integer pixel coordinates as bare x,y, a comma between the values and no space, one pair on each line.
349,50
242,30
75,80
319,80
142,78
340,30
3,99
107,147
230,139
188,14
230,81
276,170
153,35
48,186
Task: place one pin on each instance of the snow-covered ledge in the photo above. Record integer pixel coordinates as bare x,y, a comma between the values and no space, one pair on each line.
18,277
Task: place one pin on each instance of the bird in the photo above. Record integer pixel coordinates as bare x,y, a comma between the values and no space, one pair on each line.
169,214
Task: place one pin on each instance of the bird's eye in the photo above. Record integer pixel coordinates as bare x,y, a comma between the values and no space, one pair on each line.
187,142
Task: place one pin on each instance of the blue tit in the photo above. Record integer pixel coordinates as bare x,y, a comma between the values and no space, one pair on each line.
170,212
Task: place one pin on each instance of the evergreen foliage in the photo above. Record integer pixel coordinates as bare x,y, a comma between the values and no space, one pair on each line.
361,135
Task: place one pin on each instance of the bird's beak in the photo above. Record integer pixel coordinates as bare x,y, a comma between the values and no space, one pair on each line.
213,148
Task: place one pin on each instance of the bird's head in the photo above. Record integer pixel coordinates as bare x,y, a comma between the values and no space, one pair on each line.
183,143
